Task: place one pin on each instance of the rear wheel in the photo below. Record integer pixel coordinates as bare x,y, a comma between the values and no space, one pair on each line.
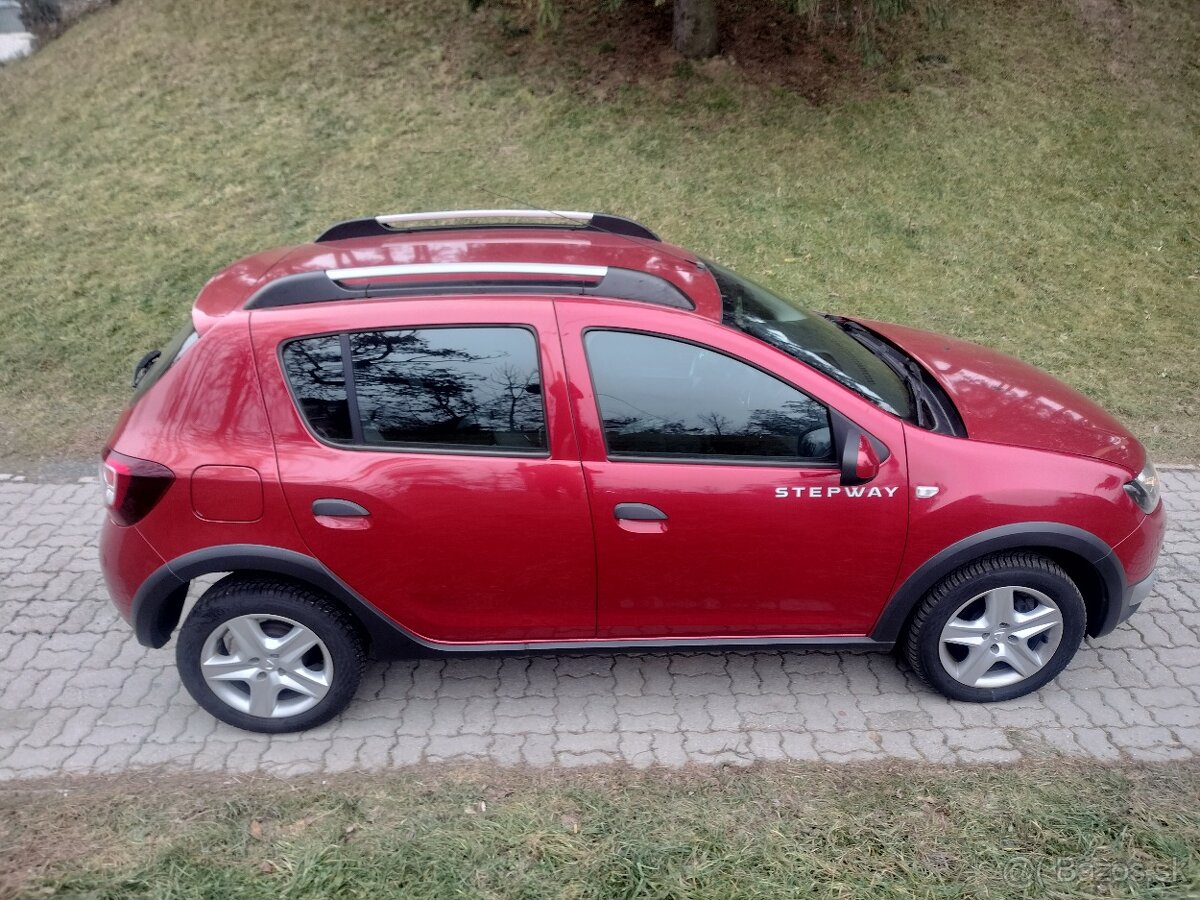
269,656
996,629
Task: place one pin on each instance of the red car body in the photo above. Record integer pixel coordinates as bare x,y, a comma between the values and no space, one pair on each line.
468,552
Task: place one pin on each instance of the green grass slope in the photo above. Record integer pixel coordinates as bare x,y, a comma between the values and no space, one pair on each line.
1026,177
779,832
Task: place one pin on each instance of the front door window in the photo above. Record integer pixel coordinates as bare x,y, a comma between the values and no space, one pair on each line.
676,400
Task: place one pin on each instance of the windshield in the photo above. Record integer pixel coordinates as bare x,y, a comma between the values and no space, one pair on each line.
811,339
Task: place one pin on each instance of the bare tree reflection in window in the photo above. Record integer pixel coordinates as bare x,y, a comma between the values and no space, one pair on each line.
449,386
663,397
314,369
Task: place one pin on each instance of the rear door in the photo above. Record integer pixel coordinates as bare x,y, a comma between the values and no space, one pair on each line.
438,475
718,508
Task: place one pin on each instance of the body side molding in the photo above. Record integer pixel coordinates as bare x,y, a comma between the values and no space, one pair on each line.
158,604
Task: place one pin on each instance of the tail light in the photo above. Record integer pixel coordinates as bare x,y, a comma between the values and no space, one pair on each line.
132,486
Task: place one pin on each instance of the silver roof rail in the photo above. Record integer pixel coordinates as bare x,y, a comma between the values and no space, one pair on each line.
448,214
469,268
327,285
377,226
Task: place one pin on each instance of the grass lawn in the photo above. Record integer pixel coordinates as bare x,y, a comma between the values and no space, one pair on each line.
1024,177
768,832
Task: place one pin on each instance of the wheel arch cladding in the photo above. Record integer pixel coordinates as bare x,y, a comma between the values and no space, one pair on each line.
1088,560
158,603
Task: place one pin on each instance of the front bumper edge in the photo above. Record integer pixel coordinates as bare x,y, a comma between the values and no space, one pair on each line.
1131,599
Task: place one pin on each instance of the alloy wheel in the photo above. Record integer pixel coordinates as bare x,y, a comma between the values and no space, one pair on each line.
1001,637
266,665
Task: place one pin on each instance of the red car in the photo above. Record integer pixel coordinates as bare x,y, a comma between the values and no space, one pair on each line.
555,432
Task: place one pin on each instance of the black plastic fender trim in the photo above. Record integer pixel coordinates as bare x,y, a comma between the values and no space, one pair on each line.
158,603
1030,536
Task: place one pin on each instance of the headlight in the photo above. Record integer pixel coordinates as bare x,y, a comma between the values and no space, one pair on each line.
1144,489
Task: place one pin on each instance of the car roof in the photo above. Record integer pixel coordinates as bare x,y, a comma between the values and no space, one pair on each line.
507,251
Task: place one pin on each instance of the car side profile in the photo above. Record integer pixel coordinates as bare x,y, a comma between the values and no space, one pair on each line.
538,431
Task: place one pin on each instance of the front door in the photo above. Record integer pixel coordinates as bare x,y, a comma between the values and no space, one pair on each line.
449,432
718,509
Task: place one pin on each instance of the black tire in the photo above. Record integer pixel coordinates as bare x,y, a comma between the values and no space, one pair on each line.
237,596
921,644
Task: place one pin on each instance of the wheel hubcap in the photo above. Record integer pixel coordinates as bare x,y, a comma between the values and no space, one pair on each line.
268,666
1001,637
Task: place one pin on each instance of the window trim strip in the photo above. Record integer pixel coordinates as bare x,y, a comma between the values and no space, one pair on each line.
352,410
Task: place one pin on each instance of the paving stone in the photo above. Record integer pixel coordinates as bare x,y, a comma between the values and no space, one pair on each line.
457,747
171,755
373,752
899,745
479,717
699,685
1142,737
766,745
579,760
846,746
627,674
525,706
601,713
1096,744
538,750
587,742
931,744
650,722
723,712
698,664
409,751
506,749
799,746
78,694
525,724
668,749
83,760
988,755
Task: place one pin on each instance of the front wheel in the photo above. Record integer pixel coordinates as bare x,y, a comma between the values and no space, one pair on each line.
269,656
996,629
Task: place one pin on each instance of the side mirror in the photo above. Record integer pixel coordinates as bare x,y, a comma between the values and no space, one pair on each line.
860,462
859,454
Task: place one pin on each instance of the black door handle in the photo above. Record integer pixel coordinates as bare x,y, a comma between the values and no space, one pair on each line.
639,512
332,506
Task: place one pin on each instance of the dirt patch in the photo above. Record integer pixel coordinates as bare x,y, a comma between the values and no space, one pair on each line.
1104,16
600,50
51,822
1111,22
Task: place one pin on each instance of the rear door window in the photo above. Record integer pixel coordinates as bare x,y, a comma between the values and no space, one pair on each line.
445,388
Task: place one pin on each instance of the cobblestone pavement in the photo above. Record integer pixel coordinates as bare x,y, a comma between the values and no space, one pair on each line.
79,695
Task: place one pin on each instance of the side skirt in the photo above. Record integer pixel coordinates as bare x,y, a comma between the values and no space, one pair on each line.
642,645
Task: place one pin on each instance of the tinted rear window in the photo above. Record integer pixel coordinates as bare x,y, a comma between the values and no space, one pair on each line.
438,388
172,353
314,368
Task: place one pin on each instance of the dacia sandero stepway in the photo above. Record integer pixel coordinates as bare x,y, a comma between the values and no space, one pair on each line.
499,430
